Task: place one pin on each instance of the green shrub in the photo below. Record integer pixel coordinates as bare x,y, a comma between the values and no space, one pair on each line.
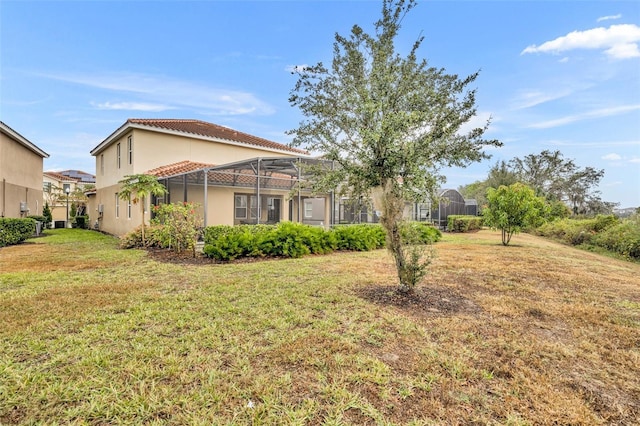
623,238
81,222
577,231
224,242
359,237
134,238
178,225
423,232
14,231
463,223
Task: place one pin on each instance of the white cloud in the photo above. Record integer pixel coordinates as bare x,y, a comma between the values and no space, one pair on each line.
635,160
612,157
599,113
132,106
564,60
617,41
171,93
609,17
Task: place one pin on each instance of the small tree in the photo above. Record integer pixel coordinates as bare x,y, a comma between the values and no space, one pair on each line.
46,212
139,188
389,123
513,208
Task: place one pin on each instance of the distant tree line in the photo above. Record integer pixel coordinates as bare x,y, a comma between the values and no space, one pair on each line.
567,188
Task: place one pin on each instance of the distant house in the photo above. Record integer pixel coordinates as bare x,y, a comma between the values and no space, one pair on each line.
21,164
55,186
233,176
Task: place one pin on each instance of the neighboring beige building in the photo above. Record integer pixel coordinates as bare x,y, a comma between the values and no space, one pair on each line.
21,164
55,184
235,177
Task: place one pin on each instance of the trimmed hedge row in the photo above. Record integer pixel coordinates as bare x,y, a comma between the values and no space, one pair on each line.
463,223
288,239
14,231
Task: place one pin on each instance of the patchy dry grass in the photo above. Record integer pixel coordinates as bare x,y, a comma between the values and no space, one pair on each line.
537,333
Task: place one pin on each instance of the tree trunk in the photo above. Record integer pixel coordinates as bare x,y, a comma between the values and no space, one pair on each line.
142,212
392,209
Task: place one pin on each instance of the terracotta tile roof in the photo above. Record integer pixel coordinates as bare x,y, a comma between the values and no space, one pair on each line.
178,168
202,128
231,178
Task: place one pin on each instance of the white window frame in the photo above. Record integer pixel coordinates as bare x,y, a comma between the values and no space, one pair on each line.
130,149
253,207
118,154
243,205
117,205
102,164
308,209
129,208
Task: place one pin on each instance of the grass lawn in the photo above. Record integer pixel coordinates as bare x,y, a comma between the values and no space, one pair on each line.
529,334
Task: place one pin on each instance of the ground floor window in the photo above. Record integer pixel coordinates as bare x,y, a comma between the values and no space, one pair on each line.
248,210
241,207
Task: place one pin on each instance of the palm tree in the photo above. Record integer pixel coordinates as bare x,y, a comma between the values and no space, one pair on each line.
138,188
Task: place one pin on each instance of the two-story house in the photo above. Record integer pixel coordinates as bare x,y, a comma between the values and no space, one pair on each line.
21,164
64,188
233,176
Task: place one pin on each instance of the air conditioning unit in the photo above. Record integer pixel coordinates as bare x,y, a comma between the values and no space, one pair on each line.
23,207
100,208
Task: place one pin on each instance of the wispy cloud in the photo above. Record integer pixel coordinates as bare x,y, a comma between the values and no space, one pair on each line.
609,17
612,157
599,113
635,160
617,41
601,144
154,91
131,106
530,98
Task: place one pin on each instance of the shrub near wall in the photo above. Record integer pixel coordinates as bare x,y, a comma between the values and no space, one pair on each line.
14,231
289,239
462,223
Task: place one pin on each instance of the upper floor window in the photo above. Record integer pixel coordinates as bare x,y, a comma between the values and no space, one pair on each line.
102,164
130,149
46,186
129,208
118,155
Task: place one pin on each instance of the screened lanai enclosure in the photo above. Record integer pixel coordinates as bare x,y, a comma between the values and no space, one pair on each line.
256,191
269,190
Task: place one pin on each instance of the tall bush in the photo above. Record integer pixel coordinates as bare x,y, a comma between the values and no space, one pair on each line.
178,225
14,231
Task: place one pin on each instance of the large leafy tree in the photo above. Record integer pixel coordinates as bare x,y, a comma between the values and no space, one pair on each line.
560,179
499,174
389,122
513,208
138,188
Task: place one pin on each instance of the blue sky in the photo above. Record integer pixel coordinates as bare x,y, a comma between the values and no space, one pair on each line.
559,75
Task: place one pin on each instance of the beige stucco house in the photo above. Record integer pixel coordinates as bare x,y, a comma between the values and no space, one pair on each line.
55,185
233,176
21,164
